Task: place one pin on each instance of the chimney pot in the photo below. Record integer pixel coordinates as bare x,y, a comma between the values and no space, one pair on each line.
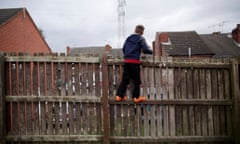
107,48
238,26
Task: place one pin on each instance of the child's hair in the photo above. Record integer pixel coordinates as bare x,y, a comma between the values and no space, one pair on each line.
139,29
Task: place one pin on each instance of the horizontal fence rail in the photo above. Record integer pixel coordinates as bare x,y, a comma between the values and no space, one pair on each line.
72,99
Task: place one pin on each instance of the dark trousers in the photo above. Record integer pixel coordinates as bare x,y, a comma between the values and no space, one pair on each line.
131,72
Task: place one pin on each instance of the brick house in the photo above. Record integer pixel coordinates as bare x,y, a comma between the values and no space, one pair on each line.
190,43
18,33
181,44
236,35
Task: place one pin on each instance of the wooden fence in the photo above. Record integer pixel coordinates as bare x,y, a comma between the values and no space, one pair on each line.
63,99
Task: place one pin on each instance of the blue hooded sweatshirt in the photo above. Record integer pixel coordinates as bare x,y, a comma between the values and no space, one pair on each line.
133,46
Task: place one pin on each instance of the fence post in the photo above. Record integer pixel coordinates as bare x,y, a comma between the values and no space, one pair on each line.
105,100
2,101
236,100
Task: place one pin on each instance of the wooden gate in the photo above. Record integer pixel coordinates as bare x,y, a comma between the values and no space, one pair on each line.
71,99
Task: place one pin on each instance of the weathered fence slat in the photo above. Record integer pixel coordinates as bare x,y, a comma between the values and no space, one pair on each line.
105,100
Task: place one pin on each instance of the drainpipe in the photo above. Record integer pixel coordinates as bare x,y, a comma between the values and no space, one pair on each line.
189,52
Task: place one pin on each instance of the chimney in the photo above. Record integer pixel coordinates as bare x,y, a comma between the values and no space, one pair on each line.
107,48
68,50
157,46
236,34
163,37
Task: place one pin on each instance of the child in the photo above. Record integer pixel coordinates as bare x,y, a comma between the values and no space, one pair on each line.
132,48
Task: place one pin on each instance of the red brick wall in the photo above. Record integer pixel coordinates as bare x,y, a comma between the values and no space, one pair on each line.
160,37
21,35
238,36
163,37
156,47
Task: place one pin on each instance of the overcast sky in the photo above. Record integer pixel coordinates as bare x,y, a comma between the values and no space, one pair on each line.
80,23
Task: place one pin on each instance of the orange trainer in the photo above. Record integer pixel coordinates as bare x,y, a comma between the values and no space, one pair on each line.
140,99
118,98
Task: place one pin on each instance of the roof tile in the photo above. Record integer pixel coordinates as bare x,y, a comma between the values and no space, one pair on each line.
182,41
6,14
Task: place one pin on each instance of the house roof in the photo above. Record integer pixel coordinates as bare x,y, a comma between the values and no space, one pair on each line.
180,42
221,45
116,52
94,51
87,51
6,14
